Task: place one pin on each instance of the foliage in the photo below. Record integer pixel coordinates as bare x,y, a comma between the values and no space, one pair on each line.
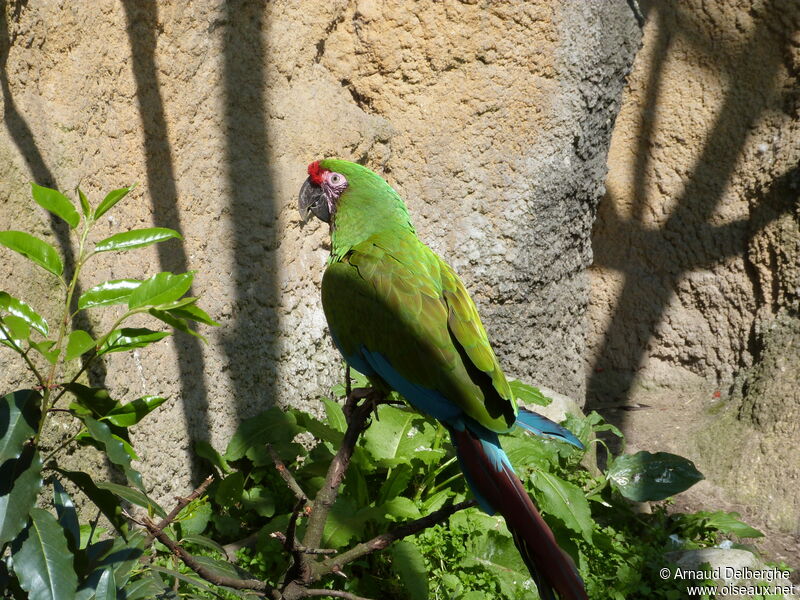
403,467
50,554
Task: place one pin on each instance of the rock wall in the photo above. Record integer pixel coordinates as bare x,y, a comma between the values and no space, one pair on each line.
697,240
491,119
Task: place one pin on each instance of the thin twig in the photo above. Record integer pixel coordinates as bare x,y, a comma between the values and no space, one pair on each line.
332,594
179,506
281,537
382,541
200,569
286,475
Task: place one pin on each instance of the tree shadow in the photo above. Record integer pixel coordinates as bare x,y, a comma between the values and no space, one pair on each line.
22,136
687,240
251,345
142,22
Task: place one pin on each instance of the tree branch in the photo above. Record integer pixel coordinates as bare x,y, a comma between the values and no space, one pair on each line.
179,506
380,542
197,567
286,475
356,421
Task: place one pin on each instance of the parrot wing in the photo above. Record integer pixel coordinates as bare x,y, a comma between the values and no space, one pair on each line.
396,310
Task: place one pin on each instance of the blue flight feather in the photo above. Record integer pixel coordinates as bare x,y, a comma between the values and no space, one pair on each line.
536,423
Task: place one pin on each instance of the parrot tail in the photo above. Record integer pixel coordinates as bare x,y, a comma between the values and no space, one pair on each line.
498,489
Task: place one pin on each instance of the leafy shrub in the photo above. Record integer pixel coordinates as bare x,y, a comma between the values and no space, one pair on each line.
403,468
51,554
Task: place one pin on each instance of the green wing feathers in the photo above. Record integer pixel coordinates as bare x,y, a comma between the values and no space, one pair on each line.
391,294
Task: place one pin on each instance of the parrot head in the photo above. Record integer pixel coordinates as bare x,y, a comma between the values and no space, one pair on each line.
320,192
339,192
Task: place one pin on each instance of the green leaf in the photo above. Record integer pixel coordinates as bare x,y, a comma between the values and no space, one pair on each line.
260,500
175,322
117,556
42,561
44,348
191,580
85,206
160,289
394,436
229,492
104,500
96,400
17,330
115,450
133,496
125,415
19,418
644,476
435,501
205,450
345,522
57,203
194,518
399,508
319,430
493,552
729,522
107,586
563,500
128,338
20,309
395,484
116,291
67,515
78,342
201,540
169,306
40,252
20,483
136,238
335,415
192,312
271,426
409,565
145,588
111,199
527,394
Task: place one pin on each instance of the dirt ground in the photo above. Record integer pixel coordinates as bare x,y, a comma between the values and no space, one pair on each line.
659,419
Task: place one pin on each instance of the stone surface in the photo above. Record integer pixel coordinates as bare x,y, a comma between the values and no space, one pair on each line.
697,237
492,119
696,279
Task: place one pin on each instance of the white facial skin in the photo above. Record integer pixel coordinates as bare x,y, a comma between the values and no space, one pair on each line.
333,184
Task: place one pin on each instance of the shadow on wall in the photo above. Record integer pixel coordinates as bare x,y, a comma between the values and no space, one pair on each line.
142,19
687,240
21,134
249,345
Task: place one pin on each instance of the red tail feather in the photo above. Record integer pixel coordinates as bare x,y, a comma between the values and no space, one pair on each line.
550,567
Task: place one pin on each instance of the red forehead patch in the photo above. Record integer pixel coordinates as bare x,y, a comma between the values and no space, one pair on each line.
315,172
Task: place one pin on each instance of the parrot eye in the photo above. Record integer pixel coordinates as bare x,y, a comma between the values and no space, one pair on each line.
336,179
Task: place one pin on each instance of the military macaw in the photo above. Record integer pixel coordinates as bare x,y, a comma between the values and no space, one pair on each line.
401,316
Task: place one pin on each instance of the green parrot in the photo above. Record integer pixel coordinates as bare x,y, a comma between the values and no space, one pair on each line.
401,316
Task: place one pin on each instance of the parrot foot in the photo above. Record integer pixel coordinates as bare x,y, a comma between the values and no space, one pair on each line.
372,398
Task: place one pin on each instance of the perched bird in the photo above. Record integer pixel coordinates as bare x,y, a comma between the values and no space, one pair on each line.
401,316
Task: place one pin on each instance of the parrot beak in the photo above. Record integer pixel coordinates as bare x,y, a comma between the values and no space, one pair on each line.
312,201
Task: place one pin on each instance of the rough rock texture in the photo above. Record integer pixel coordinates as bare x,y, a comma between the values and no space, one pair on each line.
492,119
697,241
